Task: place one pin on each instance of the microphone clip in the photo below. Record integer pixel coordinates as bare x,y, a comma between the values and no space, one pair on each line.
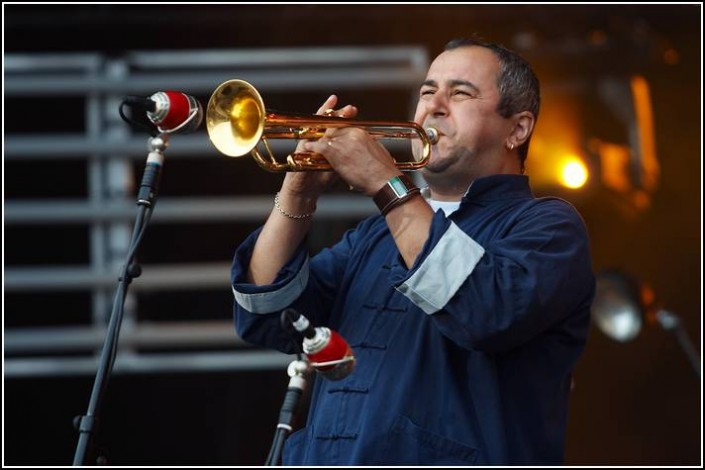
193,114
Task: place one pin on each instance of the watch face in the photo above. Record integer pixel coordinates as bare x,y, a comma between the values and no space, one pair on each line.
398,186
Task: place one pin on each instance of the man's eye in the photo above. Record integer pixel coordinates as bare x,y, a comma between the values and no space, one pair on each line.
462,93
426,92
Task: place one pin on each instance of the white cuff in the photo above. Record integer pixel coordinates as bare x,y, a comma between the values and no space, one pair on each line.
443,271
279,299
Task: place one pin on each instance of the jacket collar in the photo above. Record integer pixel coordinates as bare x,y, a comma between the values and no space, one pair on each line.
493,188
497,187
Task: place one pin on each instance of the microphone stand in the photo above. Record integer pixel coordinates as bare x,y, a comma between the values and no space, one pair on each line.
669,321
87,424
298,370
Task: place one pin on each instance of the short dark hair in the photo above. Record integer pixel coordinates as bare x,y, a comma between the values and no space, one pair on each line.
518,86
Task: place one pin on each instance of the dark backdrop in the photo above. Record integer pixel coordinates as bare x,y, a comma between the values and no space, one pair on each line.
636,403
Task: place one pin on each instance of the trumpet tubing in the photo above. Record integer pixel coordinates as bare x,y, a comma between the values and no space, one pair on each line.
238,122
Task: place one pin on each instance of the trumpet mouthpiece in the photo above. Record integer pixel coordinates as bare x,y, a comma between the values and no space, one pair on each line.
432,134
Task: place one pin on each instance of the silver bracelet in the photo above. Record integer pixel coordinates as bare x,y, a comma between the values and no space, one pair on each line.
291,216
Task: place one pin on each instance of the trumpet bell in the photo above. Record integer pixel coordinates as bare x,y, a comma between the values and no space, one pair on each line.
235,118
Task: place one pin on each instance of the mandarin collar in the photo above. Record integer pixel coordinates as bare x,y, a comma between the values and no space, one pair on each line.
496,187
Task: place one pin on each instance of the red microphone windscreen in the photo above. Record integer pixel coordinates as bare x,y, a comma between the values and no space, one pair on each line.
179,110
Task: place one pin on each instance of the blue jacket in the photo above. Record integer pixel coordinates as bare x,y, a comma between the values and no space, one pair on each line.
466,358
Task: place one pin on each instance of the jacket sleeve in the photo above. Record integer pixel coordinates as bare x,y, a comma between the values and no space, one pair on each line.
533,275
312,292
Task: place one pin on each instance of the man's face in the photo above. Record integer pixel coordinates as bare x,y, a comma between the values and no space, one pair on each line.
459,98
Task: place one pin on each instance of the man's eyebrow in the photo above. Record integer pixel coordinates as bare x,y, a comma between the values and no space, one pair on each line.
453,83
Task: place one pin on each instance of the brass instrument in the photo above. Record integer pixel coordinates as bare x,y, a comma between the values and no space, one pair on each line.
238,122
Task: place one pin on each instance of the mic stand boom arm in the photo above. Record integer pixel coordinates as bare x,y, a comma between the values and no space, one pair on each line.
146,199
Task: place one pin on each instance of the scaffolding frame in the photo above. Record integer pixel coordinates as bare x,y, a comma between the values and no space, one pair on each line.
108,210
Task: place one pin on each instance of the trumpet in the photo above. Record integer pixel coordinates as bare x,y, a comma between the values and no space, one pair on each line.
238,122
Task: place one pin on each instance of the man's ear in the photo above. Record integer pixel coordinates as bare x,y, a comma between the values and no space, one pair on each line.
523,126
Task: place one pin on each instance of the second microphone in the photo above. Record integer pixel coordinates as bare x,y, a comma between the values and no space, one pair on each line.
328,352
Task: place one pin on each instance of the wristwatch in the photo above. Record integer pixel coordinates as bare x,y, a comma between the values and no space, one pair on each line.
397,191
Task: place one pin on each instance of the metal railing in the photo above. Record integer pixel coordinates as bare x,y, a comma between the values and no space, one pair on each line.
109,151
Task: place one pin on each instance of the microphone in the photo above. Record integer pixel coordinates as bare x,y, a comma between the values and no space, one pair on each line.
328,352
170,111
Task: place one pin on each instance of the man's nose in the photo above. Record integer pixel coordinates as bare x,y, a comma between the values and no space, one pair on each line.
437,105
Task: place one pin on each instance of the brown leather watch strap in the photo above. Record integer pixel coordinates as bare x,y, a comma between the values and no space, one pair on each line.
397,191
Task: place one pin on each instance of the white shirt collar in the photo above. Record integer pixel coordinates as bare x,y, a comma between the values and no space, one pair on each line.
448,207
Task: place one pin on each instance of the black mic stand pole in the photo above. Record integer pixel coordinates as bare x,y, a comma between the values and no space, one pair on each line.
298,371
669,321
146,199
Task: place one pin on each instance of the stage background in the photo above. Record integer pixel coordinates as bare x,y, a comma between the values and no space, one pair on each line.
636,403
